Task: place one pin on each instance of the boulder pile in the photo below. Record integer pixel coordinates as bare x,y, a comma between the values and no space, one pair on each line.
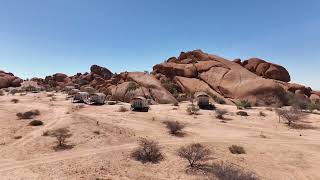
9,80
255,80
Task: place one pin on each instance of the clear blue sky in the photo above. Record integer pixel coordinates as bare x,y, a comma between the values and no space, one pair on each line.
41,37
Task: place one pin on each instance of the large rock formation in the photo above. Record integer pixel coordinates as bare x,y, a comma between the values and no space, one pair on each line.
9,80
144,84
224,77
266,69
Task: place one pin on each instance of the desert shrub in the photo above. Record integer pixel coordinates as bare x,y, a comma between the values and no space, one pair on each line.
296,101
28,114
1,92
15,100
217,99
262,114
132,86
174,127
269,109
61,134
46,133
173,88
311,106
123,109
36,123
242,113
193,109
243,104
17,137
13,91
196,154
292,115
96,132
176,104
220,113
50,95
148,151
226,171
235,149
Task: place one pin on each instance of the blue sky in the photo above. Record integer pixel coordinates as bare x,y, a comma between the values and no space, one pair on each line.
41,37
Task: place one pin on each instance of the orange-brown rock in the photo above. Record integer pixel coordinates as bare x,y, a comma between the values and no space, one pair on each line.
266,69
148,86
225,77
9,80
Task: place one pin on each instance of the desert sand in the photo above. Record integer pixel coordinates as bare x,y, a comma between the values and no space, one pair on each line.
274,151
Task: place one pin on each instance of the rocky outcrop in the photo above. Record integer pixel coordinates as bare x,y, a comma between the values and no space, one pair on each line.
227,78
102,72
145,85
9,80
266,69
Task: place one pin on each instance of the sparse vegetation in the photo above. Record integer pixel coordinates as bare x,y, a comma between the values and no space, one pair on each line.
15,101
174,127
220,113
36,123
193,109
243,104
226,171
50,95
242,113
132,86
61,134
17,137
262,114
196,154
217,99
173,88
235,149
292,115
123,109
28,114
148,151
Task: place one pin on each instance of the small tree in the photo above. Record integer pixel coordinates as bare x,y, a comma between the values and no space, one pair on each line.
293,115
62,134
174,127
148,151
196,154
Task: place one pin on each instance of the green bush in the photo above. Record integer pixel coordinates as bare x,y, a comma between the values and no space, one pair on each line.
243,104
171,87
132,86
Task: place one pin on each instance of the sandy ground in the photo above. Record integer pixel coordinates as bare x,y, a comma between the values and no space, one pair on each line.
282,154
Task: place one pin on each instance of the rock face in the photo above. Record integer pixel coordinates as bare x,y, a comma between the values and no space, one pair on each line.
101,71
227,78
266,69
146,85
9,80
